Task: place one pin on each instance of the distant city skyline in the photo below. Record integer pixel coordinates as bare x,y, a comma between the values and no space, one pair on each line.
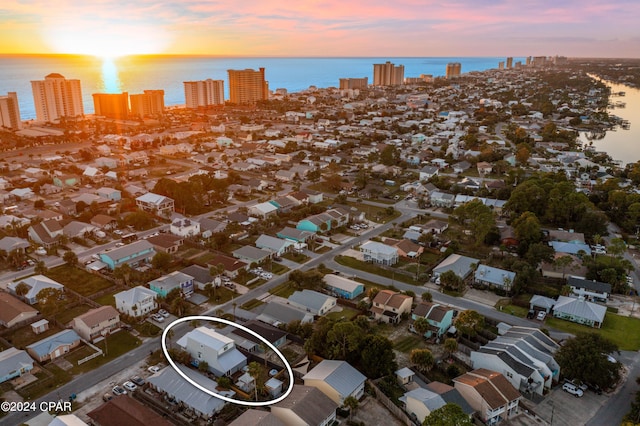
588,28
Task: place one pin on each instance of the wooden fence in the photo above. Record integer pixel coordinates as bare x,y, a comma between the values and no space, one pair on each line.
393,408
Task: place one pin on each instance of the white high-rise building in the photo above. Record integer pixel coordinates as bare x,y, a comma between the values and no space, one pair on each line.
203,93
56,97
9,112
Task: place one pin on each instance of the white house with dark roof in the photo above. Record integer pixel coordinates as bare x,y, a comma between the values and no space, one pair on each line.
46,233
336,379
136,301
312,301
219,351
36,283
594,291
490,394
184,227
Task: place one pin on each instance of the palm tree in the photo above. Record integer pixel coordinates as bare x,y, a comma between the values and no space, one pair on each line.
450,345
351,403
255,370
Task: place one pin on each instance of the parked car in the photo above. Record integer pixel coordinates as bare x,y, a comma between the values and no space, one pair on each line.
572,389
139,381
117,390
531,314
153,369
130,386
157,318
163,313
107,397
541,316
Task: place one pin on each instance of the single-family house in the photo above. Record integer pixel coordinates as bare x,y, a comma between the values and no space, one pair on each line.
208,227
46,233
66,181
325,221
36,283
435,226
104,222
461,167
484,168
173,386
135,254
250,343
156,204
201,275
14,363
594,291
494,277
380,253
313,196
490,394
441,199
439,317
183,227
97,323
276,313
13,311
110,194
136,301
573,247
541,303
305,405
122,410
343,287
421,401
427,172
312,301
388,306
295,235
251,254
218,351
14,244
262,210
253,417
277,246
174,280
76,229
336,379
462,266
580,311
232,266
166,243
54,346
405,247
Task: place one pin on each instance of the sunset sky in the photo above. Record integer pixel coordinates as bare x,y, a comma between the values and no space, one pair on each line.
596,28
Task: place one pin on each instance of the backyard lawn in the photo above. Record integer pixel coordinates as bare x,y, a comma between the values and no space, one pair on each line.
116,345
78,280
408,343
49,378
623,331
24,336
346,313
106,299
68,315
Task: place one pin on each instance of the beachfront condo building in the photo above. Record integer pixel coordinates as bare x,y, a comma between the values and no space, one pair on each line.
147,104
354,83
203,93
454,69
509,62
111,105
388,74
247,87
10,112
56,97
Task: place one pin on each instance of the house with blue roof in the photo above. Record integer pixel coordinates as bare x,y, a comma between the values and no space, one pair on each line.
36,284
54,346
14,363
494,277
218,351
573,247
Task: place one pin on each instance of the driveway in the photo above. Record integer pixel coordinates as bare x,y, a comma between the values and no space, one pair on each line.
562,408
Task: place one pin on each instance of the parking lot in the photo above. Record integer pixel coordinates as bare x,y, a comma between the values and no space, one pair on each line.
562,408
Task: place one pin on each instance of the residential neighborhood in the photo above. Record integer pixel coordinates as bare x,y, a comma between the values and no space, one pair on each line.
439,246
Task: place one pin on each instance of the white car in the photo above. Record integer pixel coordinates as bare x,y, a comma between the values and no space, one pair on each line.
153,369
163,313
130,386
117,390
157,317
572,389
117,232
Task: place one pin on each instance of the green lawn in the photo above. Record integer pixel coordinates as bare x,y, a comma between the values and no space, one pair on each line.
283,290
147,329
346,313
116,345
252,304
223,295
78,279
623,331
68,315
106,299
24,336
374,269
49,379
296,257
204,259
408,343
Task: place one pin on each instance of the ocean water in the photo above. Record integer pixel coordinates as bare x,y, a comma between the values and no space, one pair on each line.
134,74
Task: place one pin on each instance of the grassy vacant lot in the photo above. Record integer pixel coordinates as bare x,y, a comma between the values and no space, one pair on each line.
623,331
409,343
106,299
296,257
116,345
374,269
223,295
68,315
78,280
50,378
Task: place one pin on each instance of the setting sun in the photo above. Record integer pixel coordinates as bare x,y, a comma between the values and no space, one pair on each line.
108,41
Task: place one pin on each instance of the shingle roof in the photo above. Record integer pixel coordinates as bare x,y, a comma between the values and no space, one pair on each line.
310,404
10,308
49,344
128,250
253,417
589,285
123,410
342,283
135,295
494,388
309,298
98,315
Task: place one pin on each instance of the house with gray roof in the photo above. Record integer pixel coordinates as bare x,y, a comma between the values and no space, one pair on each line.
169,383
253,417
376,252
36,284
11,244
494,277
275,313
312,301
14,363
201,275
462,266
420,402
336,379
219,351
594,291
580,311
305,405
343,287
173,280
541,303
251,254
136,301
54,346
277,246
295,235
441,199
155,204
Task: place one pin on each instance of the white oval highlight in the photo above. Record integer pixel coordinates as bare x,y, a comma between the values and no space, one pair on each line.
217,395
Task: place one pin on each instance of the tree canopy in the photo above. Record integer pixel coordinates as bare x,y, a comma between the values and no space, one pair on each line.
584,358
469,322
476,217
449,414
